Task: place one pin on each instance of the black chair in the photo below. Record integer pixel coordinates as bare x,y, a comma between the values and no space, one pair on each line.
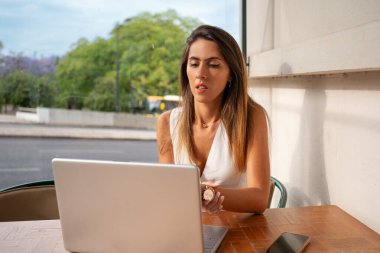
30,201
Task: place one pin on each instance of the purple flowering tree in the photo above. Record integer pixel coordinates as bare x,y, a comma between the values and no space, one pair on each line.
26,81
35,66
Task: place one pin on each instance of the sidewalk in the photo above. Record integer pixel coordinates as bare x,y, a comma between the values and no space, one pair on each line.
12,127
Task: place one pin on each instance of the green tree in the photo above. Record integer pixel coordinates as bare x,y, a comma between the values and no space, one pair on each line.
149,50
2,88
45,91
2,94
17,89
154,43
102,97
25,81
77,71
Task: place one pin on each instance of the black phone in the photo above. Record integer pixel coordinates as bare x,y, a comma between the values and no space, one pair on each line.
289,243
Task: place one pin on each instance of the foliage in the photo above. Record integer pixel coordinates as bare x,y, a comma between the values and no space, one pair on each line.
77,71
156,43
27,82
35,66
17,88
102,97
148,48
45,91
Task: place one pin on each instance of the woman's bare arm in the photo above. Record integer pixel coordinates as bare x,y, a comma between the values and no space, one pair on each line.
164,142
254,198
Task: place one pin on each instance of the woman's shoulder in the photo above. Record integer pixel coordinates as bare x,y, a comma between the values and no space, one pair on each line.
164,119
257,112
163,128
259,117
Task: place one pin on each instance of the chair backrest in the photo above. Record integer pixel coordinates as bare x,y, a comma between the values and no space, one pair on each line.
31,201
275,183
38,200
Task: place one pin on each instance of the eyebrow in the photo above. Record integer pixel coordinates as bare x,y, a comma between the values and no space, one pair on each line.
208,59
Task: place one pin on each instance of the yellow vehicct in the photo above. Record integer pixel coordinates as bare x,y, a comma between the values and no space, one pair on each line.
158,104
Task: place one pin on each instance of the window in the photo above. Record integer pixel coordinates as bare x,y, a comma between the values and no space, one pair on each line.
69,64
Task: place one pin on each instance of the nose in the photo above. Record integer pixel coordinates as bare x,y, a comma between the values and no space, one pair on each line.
201,72
200,76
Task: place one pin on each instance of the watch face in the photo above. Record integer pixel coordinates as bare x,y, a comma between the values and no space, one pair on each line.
208,195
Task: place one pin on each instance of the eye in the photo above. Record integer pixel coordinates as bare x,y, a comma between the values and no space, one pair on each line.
214,65
193,64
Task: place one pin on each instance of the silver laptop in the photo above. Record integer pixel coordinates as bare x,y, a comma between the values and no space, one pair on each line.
112,207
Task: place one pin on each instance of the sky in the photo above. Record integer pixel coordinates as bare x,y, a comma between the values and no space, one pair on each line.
41,28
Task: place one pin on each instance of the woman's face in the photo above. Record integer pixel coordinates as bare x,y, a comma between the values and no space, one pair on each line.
207,71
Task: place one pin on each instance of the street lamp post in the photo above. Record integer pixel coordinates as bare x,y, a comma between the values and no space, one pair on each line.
117,69
117,88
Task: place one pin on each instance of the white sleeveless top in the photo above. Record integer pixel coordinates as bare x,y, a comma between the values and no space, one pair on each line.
219,167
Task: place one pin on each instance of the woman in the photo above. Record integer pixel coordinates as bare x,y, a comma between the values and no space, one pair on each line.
218,127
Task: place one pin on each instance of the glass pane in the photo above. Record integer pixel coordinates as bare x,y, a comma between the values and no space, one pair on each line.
87,79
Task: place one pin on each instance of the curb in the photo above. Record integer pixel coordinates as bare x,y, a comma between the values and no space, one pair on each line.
43,131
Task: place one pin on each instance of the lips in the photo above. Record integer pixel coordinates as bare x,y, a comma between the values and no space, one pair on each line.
201,87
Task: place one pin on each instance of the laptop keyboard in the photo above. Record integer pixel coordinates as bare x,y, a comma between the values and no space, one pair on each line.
212,237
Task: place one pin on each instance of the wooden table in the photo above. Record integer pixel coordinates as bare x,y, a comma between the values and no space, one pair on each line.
330,228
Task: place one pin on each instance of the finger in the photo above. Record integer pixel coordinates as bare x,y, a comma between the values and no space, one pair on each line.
220,202
213,209
214,201
208,206
216,207
216,198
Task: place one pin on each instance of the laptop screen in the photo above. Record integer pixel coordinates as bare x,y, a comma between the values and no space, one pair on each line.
107,206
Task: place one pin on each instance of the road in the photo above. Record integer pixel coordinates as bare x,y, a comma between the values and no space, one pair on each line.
29,159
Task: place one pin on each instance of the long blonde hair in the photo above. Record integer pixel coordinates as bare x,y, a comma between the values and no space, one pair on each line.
237,107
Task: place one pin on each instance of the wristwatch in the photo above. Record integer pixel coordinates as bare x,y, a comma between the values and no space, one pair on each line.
208,193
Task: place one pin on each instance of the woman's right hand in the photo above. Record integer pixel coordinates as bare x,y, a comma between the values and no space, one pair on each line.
216,204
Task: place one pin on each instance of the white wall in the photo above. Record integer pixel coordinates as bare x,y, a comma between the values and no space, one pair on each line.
325,126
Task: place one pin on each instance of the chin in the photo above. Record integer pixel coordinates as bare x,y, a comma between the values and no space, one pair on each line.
204,100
